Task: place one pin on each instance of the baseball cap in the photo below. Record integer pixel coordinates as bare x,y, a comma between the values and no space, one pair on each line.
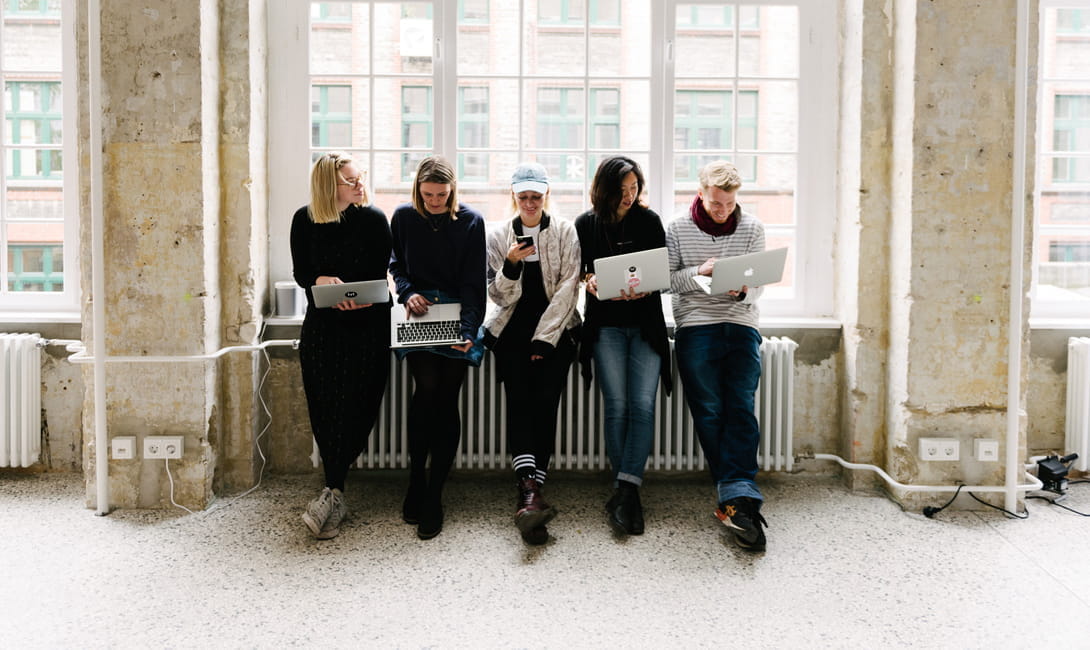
530,176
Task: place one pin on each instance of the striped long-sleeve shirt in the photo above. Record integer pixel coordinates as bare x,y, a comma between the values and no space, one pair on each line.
690,247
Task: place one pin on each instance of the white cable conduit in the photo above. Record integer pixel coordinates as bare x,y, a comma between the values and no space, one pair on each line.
1018,213
81,355
98,272
1034,483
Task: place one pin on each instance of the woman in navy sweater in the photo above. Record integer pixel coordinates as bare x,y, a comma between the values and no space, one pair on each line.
438,256
344,351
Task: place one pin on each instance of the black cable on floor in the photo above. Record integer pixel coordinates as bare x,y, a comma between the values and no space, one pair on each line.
1060,505
1016,516
931,511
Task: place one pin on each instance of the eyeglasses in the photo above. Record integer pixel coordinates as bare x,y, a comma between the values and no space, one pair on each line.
352,182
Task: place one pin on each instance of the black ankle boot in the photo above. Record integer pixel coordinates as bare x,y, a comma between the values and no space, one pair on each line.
410,507
625,509
431,515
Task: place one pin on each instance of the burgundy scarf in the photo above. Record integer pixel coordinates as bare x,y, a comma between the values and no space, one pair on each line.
707,224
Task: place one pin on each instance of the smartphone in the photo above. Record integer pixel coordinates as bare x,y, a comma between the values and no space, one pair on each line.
524,240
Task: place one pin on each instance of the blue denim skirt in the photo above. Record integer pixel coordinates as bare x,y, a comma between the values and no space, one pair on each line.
473,356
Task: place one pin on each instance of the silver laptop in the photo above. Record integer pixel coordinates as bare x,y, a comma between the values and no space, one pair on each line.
750,270
365,292
642,271
439,326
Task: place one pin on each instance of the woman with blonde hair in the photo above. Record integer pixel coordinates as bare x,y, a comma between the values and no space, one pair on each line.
344,350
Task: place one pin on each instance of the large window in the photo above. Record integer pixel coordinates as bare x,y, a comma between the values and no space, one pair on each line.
568,83
1061,279
37,214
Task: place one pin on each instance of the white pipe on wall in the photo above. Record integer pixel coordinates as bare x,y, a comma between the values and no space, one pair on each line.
98,272
1034,483
1018,215
81,355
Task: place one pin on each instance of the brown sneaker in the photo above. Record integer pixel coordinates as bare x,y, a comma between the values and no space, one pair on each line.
531,509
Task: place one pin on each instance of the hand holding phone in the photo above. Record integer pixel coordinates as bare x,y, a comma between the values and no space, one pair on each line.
525,241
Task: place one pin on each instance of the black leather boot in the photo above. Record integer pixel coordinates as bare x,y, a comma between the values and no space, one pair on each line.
625,510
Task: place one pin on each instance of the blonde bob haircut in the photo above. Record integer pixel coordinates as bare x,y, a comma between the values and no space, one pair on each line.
325,175
721,174
435,169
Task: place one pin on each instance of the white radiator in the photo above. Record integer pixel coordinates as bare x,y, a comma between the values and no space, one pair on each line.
1078,401
580,441
20,400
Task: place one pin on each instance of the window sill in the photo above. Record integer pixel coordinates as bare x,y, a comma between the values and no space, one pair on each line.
1060,324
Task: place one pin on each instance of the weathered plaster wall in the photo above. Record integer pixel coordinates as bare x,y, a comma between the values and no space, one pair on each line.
185,250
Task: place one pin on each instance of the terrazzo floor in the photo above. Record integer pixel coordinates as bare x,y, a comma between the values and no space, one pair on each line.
842,570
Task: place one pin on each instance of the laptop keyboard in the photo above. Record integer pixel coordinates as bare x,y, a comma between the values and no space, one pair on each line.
438,331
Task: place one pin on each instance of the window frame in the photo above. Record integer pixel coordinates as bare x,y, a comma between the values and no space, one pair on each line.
1047,188
64,305
815,182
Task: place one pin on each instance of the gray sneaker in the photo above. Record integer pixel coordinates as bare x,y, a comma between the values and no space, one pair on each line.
337,513
318,511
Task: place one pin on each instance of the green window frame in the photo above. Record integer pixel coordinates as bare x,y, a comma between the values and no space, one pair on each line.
603,13
1069,251
477,15
323,119
1072,21
38,8
696,128
416,116
329,12
1071,133
605,118
50,278
716,17
473,111
560,126
44,119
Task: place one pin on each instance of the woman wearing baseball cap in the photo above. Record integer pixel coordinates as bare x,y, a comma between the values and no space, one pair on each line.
533,277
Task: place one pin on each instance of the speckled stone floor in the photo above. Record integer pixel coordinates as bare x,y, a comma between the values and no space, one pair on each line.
843,570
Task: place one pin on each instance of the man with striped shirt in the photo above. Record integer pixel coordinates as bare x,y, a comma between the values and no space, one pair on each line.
718,345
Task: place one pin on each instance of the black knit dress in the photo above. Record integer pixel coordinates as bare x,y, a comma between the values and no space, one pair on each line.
344,355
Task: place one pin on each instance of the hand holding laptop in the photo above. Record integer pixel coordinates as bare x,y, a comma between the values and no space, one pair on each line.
630,294
344,305
706,269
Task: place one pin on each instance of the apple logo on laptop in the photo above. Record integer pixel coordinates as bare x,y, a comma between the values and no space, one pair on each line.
749,272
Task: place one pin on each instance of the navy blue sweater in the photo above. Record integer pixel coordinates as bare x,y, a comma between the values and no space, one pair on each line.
437,252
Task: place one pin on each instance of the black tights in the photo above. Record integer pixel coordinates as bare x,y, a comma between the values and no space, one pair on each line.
435,425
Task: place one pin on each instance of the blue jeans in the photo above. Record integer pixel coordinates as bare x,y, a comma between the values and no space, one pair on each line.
628,373
720,366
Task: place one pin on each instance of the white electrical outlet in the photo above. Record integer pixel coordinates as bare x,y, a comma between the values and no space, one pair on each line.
163,447
986,449
939,448
123,447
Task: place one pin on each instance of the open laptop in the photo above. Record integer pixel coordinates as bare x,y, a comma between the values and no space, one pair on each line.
365,292
439,326
750,270
642,271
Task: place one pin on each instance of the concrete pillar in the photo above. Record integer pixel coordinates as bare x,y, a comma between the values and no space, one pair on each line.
184,243
931,307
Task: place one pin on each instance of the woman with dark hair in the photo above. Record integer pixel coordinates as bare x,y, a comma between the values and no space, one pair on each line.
438,257
344,351
625,336
533,278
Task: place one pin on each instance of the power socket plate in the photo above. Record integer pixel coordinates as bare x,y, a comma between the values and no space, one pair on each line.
163,447
939,449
